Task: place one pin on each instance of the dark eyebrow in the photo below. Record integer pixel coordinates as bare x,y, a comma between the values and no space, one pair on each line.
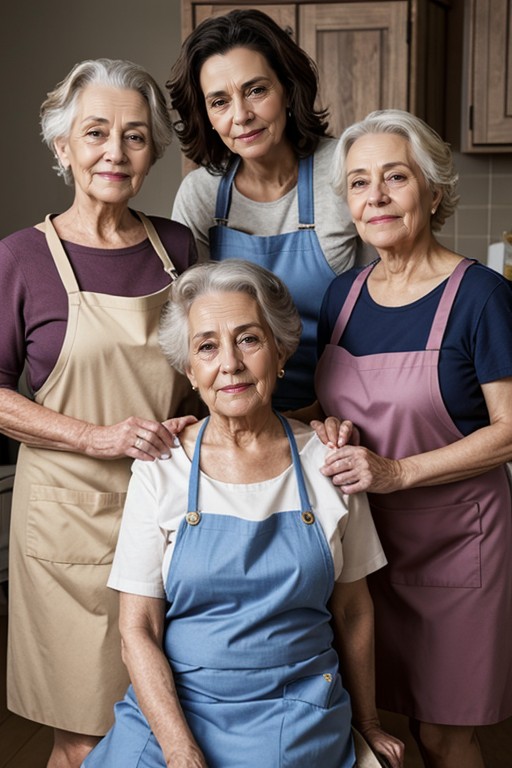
244,86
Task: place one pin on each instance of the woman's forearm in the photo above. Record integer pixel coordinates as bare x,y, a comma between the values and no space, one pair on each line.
474,454
39,427
352,611
153,682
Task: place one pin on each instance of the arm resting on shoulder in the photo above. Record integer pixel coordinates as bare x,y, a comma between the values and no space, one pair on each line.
357,469
40,427
141,623
352,611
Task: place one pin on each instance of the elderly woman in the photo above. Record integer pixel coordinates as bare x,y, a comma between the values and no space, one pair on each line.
233,558
245,96
416,350
81,300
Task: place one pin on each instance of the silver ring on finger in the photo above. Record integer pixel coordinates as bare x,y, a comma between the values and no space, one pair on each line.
138,443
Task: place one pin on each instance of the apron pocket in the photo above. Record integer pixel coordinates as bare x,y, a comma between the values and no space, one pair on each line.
66,526
316,728
318,690
432,547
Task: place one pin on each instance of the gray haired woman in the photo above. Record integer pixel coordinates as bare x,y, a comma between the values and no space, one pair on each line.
426,335
82,294
228,582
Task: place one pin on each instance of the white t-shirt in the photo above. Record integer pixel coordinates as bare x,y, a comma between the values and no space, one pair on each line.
195,206
157,502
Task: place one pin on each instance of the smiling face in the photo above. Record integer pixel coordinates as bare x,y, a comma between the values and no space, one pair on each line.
245,102
109,148
233,356
388,196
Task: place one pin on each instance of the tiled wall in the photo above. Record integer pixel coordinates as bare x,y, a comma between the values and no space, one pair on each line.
485,206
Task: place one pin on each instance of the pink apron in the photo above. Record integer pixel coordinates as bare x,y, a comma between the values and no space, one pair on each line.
443,605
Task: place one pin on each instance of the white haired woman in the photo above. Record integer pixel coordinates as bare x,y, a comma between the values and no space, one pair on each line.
82,294
416,350
234,557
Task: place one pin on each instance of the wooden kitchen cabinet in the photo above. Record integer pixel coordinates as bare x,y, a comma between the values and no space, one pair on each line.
487,77
370,54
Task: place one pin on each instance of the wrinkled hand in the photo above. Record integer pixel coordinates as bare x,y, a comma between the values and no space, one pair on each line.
335,433
137,438
385,744
355,469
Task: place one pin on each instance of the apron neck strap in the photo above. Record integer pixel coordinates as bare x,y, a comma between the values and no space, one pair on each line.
65,270
193,485
348,306
157,244
60,257
445,305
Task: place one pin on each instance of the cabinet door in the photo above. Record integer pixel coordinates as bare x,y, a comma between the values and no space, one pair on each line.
362,54
488,110
284,15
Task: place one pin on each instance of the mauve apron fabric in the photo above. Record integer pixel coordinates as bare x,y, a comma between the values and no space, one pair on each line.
297,258
64,662
249,642
444,602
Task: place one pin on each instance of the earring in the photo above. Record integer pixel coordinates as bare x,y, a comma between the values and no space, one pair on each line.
280,373
289,113
194,389
433,211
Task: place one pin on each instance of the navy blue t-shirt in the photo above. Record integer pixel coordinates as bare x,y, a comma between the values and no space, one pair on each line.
476,348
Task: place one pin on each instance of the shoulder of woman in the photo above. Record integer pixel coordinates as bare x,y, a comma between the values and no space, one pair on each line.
16,240
325,151
198,183
482,284
170,227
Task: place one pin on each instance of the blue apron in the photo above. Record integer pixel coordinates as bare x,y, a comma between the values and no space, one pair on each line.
249,642
297,258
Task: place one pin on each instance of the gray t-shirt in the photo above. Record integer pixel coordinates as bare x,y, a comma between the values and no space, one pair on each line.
195,205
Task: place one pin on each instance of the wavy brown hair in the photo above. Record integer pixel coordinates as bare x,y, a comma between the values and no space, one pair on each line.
295,70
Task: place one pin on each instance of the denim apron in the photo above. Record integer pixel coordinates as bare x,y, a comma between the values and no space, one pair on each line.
297,258
249,642
443,605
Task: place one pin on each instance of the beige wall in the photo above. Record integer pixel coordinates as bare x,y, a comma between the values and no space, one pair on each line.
39,43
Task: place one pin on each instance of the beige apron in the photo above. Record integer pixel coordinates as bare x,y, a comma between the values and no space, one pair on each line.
64,663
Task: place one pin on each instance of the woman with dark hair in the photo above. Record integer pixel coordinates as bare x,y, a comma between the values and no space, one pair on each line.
244,95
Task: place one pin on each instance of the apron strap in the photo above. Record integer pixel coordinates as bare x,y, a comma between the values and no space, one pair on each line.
60,257
223,202
157,244
305,505
63,265
348,306
445,305
193,486
306,193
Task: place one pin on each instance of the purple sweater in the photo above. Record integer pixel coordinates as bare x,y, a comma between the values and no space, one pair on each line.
34,304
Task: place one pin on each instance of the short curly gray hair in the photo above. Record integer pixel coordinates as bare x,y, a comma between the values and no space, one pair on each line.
59,109
432,154
229,276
